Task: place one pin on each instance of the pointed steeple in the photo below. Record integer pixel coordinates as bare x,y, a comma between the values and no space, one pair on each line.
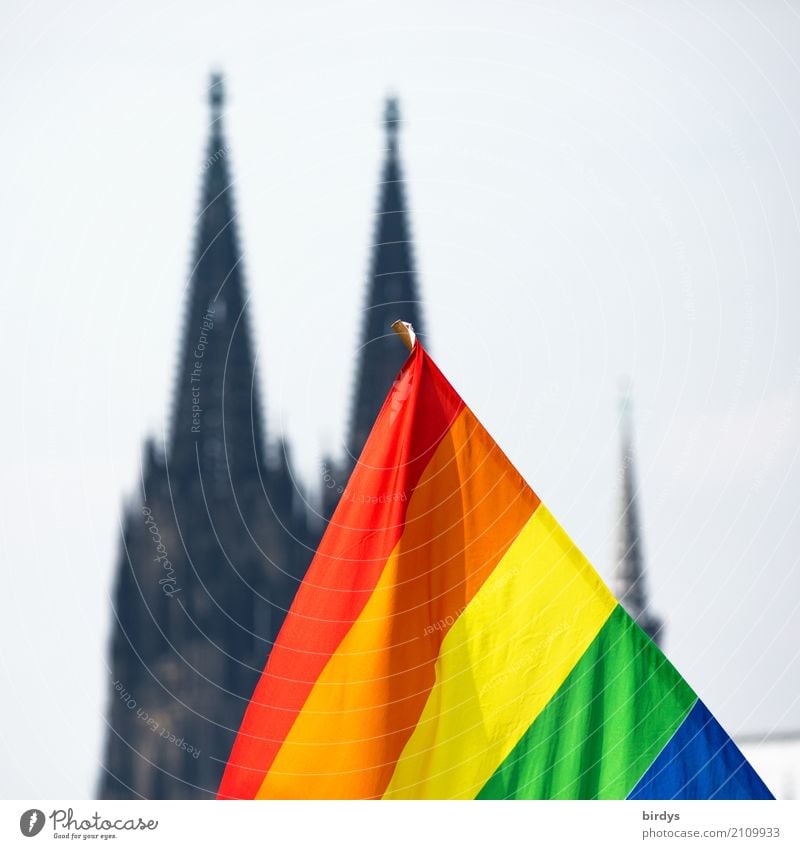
629,573
215,539
392,293
217,419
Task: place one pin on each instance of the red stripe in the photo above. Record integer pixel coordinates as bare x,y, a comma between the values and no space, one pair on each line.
347,564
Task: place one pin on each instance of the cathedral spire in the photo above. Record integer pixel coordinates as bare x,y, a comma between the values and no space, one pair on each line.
215,540
392,293
217,420
629,573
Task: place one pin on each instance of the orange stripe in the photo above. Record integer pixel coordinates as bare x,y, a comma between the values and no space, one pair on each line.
467,509
362,534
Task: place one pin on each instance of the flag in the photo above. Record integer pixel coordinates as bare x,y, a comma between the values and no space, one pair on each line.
450,641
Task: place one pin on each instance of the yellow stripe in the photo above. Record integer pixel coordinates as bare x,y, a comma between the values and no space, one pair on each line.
463,517
502,662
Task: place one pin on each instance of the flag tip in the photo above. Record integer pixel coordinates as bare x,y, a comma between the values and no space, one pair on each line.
405,331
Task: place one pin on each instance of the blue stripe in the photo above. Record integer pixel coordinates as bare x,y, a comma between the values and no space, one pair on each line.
700,762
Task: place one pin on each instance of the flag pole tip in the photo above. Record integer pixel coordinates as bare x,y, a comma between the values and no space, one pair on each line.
405,331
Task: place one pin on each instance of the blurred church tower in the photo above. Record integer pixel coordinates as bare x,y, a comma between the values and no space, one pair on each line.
392,293
629,582
215,538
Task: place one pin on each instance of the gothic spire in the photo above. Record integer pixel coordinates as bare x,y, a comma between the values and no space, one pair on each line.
392,293
217,420
214,543
629,573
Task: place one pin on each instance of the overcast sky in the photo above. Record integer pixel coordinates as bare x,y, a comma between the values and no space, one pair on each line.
598,190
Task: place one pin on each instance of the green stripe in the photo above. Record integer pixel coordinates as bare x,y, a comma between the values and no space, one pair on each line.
605,725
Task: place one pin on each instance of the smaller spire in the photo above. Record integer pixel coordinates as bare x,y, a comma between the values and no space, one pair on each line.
629,573
391,120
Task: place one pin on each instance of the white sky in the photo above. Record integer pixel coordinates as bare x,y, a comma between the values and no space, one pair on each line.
598,190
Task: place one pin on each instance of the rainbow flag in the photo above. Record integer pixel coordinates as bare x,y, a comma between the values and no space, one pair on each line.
451,642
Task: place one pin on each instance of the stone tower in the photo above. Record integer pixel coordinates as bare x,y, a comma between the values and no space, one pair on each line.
215,538
629,582
392,292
